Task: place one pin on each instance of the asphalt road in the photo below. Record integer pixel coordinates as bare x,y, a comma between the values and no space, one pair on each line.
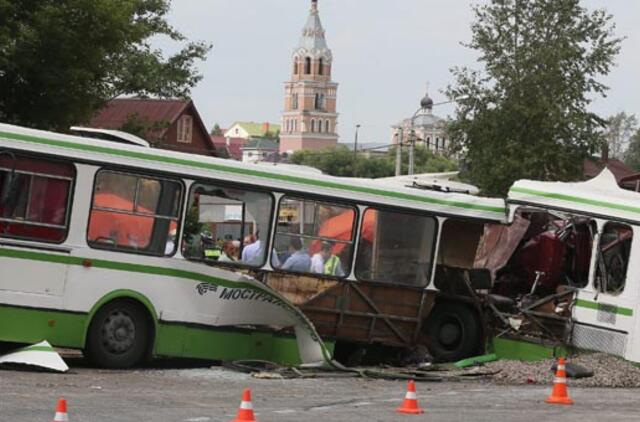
204,394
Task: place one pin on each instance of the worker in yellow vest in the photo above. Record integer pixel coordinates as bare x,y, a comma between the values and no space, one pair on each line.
332,264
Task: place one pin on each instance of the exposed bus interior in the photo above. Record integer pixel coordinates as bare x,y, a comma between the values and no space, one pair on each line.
540,261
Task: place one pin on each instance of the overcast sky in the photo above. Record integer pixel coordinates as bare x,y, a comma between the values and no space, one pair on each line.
384,53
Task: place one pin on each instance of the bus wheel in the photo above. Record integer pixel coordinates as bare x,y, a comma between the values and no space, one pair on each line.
119,335
453,330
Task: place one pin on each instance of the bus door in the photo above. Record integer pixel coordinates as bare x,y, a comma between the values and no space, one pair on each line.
35,197
604,310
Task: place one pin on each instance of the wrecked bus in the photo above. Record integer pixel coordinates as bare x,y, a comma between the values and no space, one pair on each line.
128,252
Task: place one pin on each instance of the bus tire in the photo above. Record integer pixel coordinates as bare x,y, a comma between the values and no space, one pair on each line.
453,331
119,335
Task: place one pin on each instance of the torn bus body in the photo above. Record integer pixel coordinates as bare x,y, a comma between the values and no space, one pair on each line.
555,274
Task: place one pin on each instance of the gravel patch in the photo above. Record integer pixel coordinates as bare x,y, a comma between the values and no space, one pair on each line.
609,371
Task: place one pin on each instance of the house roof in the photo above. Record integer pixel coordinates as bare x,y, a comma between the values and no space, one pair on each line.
116,112
264,144
257,129
234,148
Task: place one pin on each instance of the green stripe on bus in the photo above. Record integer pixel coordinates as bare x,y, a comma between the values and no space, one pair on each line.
122,266
604,307
147,269
579,200
254,173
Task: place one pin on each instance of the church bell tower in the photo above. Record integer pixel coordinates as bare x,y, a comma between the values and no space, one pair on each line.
309,119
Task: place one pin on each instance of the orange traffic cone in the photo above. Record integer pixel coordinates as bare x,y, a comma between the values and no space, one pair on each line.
245,412
559,393
61,411
410,403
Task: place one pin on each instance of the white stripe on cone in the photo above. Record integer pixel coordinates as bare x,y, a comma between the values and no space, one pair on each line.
61,417
246,405
560,367
411,395
560,380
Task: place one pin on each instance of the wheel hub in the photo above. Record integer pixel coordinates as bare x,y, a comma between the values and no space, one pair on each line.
450,334
118,332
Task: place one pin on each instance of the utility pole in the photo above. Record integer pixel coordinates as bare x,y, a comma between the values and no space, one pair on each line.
412,142
399,152
355,150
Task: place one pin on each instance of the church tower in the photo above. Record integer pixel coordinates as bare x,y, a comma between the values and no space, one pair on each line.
309,119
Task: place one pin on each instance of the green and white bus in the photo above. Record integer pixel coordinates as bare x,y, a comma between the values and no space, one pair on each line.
107,247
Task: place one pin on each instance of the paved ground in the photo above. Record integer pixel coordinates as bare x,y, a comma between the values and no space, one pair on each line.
203,394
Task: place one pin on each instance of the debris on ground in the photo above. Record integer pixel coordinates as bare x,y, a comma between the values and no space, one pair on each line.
609,371
40,356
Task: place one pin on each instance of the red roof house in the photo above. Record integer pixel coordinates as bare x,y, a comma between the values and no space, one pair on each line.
169,124
228,146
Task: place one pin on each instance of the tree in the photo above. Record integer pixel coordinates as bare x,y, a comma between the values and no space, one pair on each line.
62,60
525,115
216,131
339,161
620,127
632,157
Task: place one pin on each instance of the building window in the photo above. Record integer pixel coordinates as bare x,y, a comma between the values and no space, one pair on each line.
134,213
295,125
316,102
185,129
35,198
294,101
613,258
314,237
395,247
326,126
320,64
307,65
313,125
295,67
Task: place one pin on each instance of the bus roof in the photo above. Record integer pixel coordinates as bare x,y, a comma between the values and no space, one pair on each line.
365,190
599,196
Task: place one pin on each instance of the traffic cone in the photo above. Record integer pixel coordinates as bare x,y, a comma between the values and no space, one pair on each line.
559,393
410,403
245,411
61,411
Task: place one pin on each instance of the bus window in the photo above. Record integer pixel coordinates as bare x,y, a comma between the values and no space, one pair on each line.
227,225
134,213
613,258
314,237
36,198
395,247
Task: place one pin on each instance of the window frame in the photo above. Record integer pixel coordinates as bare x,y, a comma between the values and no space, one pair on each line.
597,287
69,204
406,211
231,185
185,122
140,174
326,201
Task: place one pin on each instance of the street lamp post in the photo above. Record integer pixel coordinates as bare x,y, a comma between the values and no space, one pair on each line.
355,150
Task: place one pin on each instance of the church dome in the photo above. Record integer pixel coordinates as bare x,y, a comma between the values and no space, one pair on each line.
426,102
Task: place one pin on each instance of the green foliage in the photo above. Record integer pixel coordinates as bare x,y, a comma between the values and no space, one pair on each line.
525,115
632,157
339,161
216,131
620,128
61,60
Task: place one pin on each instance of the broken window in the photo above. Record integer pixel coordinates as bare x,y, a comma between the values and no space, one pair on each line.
614,250
227,224
314,237
134,213
395,247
